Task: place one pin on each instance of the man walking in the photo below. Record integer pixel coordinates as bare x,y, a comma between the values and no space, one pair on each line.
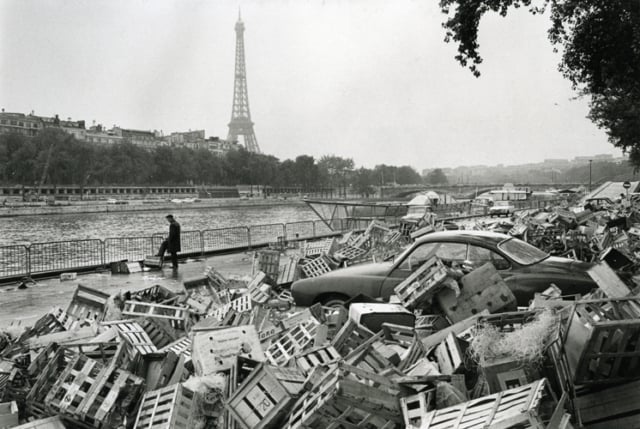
173,242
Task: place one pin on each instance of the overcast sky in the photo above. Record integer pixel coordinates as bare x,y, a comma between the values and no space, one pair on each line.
370,80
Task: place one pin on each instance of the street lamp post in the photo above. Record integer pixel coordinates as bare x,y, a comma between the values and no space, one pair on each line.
590,161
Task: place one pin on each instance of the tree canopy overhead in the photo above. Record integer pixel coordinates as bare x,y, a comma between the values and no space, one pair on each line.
600,44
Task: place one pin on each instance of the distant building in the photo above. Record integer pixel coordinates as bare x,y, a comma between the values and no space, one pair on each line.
28,125
190,139
98,135
147,139
219,147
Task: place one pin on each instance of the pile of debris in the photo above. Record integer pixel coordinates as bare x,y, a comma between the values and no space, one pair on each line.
449,350
587,233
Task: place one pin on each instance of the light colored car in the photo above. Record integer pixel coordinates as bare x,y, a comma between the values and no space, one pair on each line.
525,269
500,208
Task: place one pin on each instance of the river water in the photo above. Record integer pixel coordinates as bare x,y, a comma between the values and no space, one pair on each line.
25,230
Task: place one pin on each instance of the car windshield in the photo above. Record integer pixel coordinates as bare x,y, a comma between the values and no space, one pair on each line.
521,252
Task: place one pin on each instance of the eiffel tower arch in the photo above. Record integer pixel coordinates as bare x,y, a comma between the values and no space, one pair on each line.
241,124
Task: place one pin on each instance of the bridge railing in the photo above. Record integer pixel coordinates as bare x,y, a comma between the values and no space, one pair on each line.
43,258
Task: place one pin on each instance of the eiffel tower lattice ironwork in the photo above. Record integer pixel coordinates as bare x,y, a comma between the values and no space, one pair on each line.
241,124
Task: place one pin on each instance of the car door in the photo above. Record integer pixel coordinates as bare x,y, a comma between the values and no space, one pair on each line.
449,252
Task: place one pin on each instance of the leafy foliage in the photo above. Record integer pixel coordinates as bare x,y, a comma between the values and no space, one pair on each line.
600,41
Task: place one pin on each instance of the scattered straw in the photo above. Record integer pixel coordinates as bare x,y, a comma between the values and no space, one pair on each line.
526,343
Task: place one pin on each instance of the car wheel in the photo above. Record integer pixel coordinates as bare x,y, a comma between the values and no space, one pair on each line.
333,300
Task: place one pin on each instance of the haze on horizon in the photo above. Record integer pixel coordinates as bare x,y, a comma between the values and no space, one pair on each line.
370,80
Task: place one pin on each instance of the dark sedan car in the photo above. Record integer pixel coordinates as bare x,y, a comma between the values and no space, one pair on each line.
525,268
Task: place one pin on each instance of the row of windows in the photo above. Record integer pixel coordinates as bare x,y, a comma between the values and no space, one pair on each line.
18,123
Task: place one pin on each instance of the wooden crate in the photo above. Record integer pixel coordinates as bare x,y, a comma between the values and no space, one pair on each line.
422,284
482,289
614,407
8,414
316,267
258,290
288,272
217,280
238,372
167,408
349,253
88,303
517,407
602,341
264,397
317,356
87,391
372,355
157,294
415,407
416,352
159,331
217,350
269,263
318,247
35,400
292,342
177,316
46,423
136,337
340,399
350,336
450,356
181,346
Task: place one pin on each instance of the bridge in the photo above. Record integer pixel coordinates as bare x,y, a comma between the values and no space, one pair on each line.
466,191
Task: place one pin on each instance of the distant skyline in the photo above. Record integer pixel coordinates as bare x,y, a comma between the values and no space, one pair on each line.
369,80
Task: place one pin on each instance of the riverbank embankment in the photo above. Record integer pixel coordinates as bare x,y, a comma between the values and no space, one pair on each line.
76,207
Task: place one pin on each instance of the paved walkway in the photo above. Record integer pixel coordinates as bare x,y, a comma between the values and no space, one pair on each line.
24,306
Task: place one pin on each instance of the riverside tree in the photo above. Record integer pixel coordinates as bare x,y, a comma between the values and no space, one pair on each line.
600,44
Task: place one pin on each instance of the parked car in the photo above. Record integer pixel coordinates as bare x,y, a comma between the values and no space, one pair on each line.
525,268
500,208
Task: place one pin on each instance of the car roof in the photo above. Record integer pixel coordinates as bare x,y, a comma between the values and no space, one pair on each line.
465,235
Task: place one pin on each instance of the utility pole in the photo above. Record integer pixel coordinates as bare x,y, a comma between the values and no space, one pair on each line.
590,161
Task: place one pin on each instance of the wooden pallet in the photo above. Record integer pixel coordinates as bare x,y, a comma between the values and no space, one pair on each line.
292,342
316,357
316,267
269,263
340,399
167,408
178,317
511,408
88,303
264,397
288,272
602,341
47,377
415,407
422,284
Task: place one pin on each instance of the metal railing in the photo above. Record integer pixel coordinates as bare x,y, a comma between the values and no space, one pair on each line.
42,258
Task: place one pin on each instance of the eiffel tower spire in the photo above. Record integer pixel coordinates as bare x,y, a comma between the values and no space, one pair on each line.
241,124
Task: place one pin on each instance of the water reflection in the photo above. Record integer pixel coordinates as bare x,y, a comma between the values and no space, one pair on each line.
34,229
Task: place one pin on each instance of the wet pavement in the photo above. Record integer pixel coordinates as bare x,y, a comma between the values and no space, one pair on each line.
19,307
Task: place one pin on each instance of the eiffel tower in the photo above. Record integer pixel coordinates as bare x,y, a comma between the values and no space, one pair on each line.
241,124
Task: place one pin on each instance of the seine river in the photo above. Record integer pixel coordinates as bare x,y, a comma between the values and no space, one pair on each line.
37,229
